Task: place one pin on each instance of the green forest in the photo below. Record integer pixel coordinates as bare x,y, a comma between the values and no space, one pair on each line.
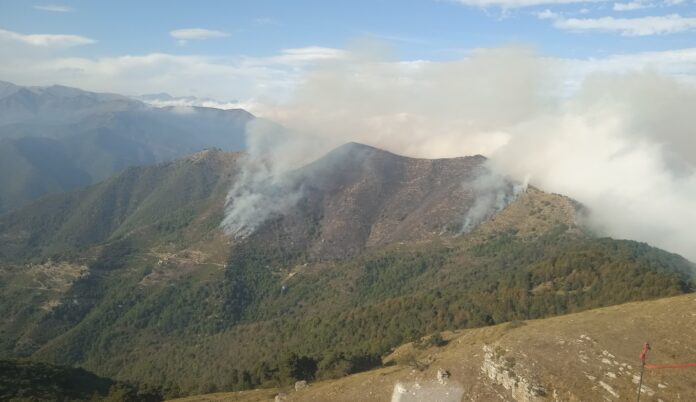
333,318
22,381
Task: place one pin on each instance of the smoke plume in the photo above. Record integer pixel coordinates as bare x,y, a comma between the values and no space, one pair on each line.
621,143
493,193
265,187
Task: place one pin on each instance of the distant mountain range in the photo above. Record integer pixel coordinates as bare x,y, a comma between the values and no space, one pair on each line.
54,139
133,278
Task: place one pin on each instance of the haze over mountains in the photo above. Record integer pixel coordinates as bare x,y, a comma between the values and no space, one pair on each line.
57,138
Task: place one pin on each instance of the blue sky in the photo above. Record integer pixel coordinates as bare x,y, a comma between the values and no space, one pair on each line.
428,29
434,30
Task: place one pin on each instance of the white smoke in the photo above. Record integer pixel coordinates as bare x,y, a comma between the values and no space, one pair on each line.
493,193
622,143
265,187
257,195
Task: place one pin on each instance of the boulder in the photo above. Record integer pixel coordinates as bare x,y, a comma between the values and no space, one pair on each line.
442,376
300,385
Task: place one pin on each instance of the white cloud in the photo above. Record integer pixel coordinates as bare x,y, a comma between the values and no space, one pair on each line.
246,78
630,6
307,55
509,4
512,4
197,34
678,63
546,15
157,72
263,79
46,40
54,8
165,100
642,26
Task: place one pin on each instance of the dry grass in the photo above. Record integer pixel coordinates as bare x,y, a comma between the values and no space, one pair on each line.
576,357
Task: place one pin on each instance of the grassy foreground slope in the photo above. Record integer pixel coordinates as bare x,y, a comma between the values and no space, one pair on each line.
588,356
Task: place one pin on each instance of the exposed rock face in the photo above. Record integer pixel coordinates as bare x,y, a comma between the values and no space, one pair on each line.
442,376
426,392
501,371
300,385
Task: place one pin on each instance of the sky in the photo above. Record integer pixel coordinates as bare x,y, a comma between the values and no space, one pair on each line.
590,99
239,50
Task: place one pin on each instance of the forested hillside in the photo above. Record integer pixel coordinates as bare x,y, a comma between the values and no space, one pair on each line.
588,356
134,280
25,381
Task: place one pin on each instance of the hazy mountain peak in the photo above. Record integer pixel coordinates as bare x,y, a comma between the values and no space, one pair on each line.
66,91
353,146
353,152
157,96
7,88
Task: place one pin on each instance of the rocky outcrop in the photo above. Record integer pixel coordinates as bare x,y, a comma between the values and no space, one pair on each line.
442,376
300,385
501,371
426,392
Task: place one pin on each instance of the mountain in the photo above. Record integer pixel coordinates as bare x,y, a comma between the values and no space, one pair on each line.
55,104
134,203
358,197
55,139
133,279
588,356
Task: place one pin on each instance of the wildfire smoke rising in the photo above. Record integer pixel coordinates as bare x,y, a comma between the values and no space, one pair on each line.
621,143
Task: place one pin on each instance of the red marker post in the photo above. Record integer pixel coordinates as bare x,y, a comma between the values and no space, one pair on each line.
644,365
643,356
